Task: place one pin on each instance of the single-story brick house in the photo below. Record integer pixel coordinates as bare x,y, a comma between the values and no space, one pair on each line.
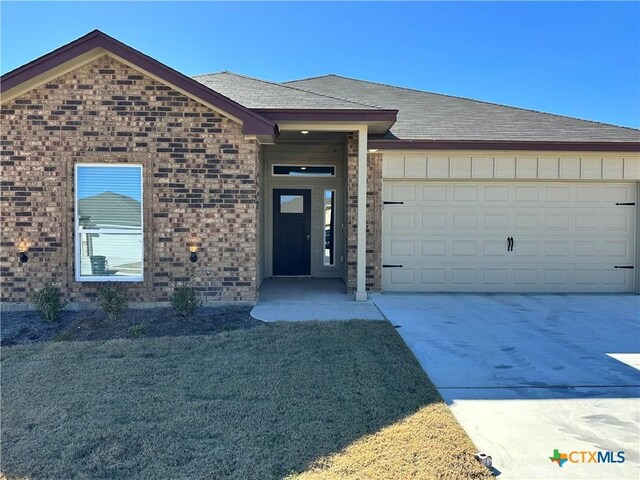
116,167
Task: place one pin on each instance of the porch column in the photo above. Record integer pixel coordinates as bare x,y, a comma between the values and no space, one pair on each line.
361,288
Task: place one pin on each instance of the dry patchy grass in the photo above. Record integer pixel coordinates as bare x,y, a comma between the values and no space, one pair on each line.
426,445
314,400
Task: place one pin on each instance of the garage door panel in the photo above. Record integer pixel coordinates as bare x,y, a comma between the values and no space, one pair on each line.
434,220
544,251
401,221
494,248
434,193
587,248
433,248
463,248
414,278
557,222
452,236
525,277
586,222
465,193
495,276
498,222
527,221
553,194
527,194
496,193
556,249
588,276
555,277
617,277
587,194
464,221
433,276
620,250
403,192
617,222
464,276
400,279
402,248
526,248
619,193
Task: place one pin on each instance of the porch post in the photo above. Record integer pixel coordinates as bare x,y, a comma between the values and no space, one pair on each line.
361,289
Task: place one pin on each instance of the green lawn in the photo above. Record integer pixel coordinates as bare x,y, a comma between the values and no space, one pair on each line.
309,400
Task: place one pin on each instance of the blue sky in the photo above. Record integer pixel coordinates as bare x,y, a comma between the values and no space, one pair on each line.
576,59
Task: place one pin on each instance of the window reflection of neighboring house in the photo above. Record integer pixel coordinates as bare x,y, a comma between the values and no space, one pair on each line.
292,204
327,227
86,242
101,214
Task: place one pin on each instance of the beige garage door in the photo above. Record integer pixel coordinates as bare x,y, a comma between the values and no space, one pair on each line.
455,237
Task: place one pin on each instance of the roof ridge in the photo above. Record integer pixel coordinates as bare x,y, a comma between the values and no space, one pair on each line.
314,77
473,100
290,87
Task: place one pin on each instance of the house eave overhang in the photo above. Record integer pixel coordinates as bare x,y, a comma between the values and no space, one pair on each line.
378,121
390,144
97,42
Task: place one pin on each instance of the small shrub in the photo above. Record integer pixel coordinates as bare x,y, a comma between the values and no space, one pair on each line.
138,330
113,300
185,301
48,302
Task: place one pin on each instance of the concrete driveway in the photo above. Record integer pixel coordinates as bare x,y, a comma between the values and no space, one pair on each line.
528,374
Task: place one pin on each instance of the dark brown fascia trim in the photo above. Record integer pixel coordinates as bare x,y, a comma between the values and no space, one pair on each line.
253,123
503,145
327,115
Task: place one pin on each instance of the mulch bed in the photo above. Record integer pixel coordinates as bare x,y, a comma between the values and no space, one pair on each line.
28,327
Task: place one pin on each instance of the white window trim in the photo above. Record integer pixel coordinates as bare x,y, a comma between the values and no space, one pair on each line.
76,226
309,175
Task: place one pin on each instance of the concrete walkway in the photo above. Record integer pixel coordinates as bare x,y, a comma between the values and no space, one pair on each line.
527,374
303,299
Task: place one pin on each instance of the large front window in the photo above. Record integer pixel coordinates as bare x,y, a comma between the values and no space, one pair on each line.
108,222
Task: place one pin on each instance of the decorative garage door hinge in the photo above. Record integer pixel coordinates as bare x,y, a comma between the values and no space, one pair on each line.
393,203
629,267
625,203
386,265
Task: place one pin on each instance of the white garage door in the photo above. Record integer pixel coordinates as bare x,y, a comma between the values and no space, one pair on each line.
454,237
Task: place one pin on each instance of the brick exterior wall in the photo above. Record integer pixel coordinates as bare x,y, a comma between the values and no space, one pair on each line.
200,182
374,222
374,218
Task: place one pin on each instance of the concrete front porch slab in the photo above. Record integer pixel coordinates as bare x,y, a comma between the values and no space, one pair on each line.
527,374
304,299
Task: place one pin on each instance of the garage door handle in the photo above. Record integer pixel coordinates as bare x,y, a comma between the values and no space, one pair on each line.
393,203
386,265
509,244
630,267
625,203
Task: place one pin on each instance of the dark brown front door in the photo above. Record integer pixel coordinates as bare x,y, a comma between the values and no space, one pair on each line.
291,232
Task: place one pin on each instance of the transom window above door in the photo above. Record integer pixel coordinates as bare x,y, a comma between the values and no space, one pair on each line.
304,170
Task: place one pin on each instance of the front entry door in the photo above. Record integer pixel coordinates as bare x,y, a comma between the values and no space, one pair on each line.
291,231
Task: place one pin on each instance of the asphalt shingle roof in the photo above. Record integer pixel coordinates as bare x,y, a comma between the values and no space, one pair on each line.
261,94
422,115
431,116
